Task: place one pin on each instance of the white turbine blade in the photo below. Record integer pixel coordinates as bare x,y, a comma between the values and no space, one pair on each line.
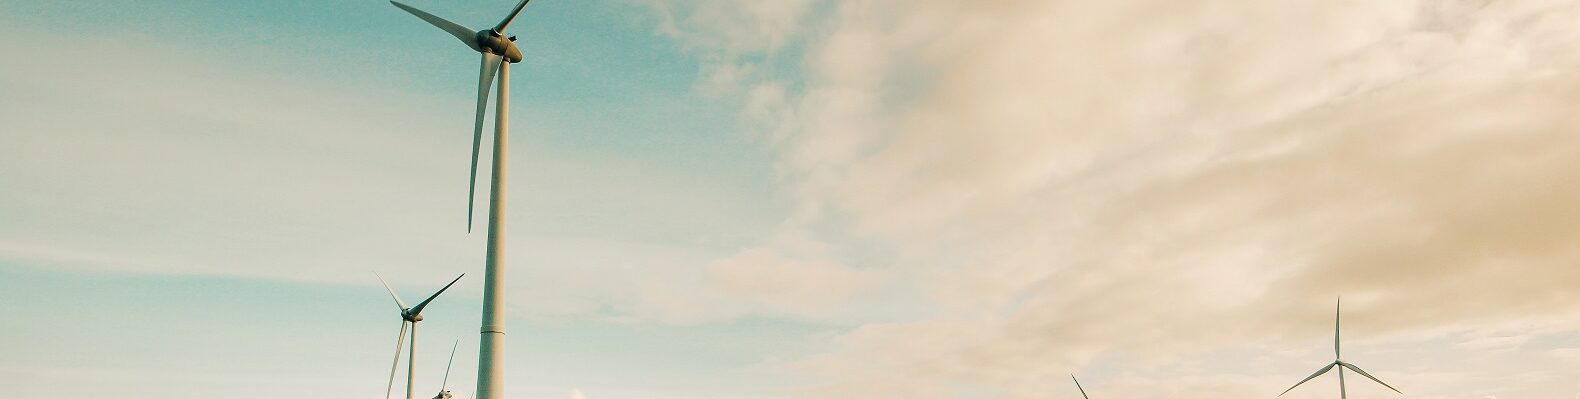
512,16
1313,375
418,309
446,382
1363,373
467,36
398,302
1078,386
1336,306
396,364
485,80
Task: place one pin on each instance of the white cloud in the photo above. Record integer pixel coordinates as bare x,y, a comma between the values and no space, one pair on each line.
1566,354
1142,182
726,35
794,286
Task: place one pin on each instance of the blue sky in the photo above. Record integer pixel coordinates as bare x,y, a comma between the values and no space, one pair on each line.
153,174
798,198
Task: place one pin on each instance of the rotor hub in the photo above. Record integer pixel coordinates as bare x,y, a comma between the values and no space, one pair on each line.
411,317
498,44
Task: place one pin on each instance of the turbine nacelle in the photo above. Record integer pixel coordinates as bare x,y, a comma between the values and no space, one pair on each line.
493,42
408,315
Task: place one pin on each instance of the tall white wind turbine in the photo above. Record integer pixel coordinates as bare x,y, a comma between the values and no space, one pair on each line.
498,52
408,315
1338,362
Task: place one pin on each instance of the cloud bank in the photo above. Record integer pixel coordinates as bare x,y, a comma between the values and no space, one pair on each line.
1133,187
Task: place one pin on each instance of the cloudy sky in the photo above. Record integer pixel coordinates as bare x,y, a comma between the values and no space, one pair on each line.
798,198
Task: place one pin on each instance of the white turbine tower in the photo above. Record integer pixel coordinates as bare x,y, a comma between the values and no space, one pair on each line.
498,52
1338,361
412,315
1078,386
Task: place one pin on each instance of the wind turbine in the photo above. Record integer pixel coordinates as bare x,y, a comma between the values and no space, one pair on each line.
445,393
1338,361
498,52
1078,386
412,315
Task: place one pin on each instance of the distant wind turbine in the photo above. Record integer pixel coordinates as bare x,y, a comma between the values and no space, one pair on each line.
445,393
1338,362
498,52
1078,386
411,315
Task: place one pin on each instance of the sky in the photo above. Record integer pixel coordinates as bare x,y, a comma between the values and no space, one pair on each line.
798,198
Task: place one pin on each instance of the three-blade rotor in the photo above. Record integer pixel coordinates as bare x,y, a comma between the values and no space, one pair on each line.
496,49
414,313
1338,362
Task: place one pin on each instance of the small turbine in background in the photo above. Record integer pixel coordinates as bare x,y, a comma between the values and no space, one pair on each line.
1338,362
1078,386
445,393
412,315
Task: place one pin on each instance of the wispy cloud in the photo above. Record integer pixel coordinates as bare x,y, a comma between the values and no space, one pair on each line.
1075,183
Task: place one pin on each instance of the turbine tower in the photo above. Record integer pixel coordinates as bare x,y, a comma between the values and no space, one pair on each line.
412,315
1338,362
498,52
1078,386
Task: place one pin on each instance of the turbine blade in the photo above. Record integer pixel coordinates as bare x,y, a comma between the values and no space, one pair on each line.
508,18
398,341
1336,306
1343,393
398,302
485,80
467,36
1313,375
446,382
418,308
1363,373
1078,386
